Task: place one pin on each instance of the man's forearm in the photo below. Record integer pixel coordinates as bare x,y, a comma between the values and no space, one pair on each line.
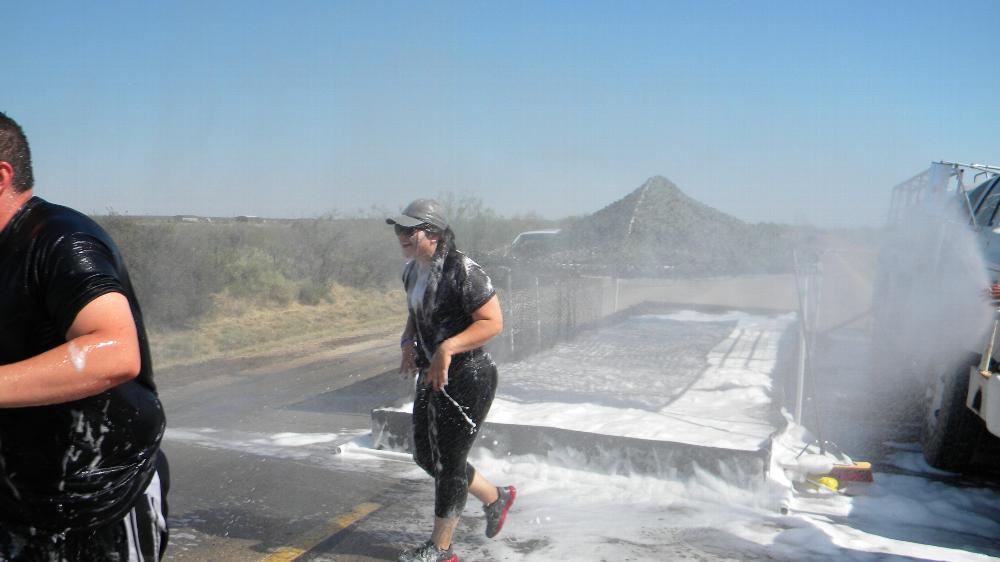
82,367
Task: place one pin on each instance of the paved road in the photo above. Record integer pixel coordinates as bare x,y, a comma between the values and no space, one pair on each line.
229,503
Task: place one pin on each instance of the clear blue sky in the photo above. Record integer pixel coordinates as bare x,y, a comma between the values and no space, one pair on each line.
798,111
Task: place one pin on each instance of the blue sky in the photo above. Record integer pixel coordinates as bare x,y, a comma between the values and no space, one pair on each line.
803,112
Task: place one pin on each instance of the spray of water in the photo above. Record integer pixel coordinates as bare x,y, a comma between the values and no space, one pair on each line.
930,304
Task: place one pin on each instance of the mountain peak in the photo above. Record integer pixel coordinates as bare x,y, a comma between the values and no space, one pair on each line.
658,228
658,182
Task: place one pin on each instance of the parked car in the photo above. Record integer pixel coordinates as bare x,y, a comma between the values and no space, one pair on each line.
533,244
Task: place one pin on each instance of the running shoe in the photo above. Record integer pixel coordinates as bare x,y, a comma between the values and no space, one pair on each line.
496,512
428,552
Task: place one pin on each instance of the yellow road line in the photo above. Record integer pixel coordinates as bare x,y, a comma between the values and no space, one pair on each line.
309,540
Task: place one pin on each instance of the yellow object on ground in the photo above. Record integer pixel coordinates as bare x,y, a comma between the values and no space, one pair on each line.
829,482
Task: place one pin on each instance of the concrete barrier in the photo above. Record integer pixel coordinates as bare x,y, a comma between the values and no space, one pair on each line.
611,454
606,454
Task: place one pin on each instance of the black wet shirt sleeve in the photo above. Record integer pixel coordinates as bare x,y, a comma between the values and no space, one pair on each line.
77,269
476,288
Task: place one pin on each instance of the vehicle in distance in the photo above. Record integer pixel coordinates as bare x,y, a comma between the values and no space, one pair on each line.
533,244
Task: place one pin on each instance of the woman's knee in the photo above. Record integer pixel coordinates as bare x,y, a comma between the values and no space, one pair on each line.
450,495
425,462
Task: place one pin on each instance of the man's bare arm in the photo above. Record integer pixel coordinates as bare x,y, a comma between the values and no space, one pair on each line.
101,352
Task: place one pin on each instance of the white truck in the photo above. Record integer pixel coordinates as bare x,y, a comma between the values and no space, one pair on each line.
942,253
533,244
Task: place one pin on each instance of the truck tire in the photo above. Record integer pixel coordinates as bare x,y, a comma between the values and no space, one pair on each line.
950,430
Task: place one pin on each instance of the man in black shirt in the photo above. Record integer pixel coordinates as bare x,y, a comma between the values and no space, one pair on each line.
81,475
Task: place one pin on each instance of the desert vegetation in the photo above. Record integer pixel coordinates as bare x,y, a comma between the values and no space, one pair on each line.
212,287
223,286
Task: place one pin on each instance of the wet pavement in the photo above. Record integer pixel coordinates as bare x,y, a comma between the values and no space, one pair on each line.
267,466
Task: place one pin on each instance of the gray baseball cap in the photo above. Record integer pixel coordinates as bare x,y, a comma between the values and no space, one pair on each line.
421,211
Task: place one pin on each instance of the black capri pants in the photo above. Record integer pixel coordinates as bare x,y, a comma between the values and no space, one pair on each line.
445,425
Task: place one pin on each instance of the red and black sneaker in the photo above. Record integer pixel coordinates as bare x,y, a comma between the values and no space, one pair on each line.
496,512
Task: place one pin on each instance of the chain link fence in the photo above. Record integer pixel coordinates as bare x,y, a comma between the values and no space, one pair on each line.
543,307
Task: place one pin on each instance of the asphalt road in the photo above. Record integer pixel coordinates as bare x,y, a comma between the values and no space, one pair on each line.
228,503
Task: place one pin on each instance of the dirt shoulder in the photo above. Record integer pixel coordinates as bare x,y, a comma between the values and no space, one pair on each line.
254,337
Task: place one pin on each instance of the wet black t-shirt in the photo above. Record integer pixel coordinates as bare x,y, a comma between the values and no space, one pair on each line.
81,463
456,286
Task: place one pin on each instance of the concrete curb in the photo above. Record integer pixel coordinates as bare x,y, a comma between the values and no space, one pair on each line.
606,454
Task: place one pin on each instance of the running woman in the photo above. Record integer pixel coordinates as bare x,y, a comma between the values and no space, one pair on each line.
453,312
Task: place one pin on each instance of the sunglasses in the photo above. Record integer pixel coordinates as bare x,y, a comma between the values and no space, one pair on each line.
408,231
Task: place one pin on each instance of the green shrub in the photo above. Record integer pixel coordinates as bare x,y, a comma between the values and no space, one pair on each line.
174,275
312,293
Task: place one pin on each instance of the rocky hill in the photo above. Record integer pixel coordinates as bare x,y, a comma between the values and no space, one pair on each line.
658,230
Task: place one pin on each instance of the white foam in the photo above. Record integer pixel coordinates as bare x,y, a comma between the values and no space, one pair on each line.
298,439
725,406
571,514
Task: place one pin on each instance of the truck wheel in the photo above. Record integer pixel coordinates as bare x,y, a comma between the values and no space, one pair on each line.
950,430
